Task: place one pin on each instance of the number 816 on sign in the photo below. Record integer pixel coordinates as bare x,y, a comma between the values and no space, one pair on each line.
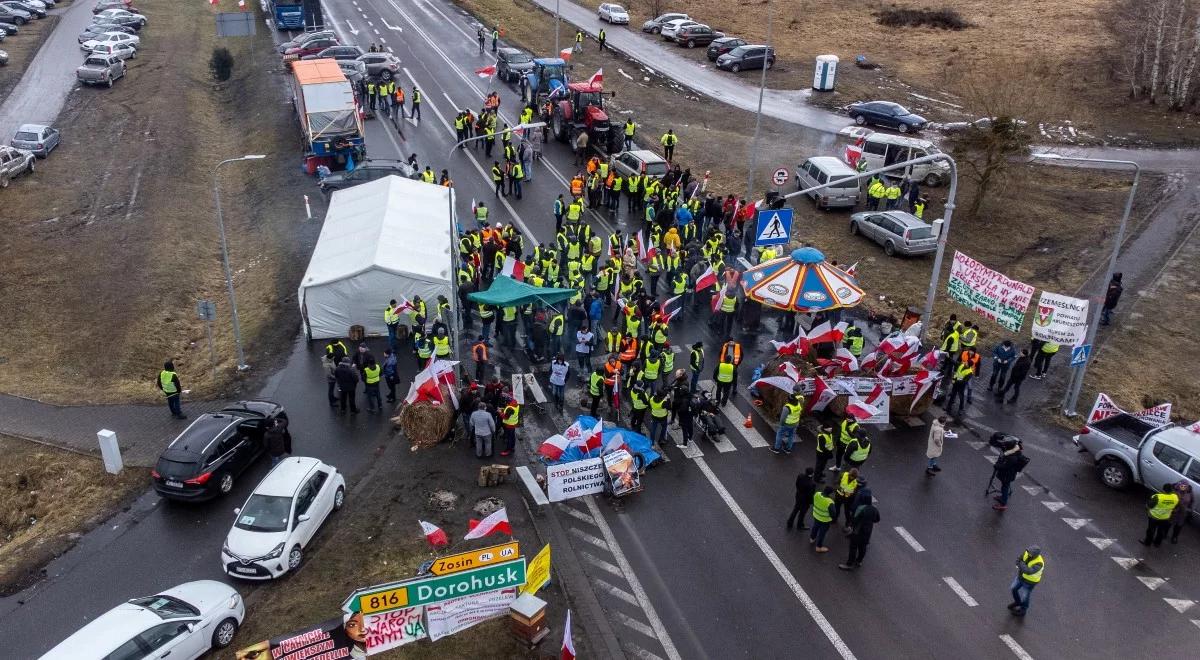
384,600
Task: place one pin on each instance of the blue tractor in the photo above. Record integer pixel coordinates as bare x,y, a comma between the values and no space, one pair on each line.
549,75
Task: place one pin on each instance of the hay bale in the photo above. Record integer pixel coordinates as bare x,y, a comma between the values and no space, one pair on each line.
426,423
773,398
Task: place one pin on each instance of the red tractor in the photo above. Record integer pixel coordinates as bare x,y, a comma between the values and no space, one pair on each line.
583,110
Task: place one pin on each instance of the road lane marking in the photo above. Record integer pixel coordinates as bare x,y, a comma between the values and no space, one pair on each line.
531,485
618,593
601,564
962,593
1126,562
1152,583
660,631
1076,523
584,536
1181,605
1054,506
751,435
809,605
722,444
912,542
633,624
538,395
577,514
1015,647
1101,544
1033,490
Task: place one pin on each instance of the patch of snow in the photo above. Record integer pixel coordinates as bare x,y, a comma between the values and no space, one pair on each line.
622,72
930,98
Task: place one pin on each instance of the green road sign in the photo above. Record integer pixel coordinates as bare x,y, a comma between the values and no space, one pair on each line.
433,589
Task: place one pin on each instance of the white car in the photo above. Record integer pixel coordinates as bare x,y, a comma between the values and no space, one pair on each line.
122,51
670,28
184,623
614,14
112,38
114,13
280,518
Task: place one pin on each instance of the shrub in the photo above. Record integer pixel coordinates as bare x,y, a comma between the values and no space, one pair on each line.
945,19
221,64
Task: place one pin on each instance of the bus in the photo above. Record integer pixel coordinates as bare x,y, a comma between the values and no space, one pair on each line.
288,14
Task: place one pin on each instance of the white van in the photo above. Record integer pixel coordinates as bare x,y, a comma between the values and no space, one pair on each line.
823,169
883,149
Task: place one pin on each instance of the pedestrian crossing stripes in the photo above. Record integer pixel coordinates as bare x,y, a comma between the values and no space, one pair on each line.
751,434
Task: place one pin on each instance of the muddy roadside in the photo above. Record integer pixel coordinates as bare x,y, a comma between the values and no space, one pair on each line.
22,48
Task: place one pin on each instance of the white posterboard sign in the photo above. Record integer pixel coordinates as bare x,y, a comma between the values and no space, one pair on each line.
574,479
458,614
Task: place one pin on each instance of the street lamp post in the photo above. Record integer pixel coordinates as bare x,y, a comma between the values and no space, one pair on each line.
943,235
1075,386
237,330
557,22
762,86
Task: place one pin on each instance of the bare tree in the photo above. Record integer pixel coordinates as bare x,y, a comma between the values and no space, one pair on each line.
1159,18
1189,69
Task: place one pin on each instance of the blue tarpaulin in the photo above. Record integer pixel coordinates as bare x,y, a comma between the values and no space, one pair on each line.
639,445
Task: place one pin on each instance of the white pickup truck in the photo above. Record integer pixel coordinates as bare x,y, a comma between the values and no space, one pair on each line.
100,70
1128,450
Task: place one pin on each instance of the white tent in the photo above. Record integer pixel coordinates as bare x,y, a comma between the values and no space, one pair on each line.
381,240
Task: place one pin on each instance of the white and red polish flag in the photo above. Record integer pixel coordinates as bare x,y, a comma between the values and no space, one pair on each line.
486,72
497,522
568,645
707,278
513,268
434,534
597,77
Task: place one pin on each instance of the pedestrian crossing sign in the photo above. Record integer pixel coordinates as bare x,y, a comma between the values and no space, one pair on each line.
774,227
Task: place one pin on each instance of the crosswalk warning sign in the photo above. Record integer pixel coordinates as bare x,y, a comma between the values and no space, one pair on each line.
774,227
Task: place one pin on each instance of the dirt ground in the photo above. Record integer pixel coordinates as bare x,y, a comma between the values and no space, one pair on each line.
109,246
1064,51
1134,365
376,538
21,48
48,499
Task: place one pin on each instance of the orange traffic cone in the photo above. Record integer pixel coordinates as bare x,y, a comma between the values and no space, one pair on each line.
749,423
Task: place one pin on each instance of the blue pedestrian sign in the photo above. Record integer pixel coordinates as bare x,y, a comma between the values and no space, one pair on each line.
1080,354
774,227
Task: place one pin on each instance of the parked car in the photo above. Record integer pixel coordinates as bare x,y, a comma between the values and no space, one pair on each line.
212,451
1129,451
27,7
381,65
36,138
96,29
183,622
512,63
300,40
101,5
614,14
654,25
311,47
370,170
641,162
14,16
887,115
668,29
723,45
121,16
280,518
336,53
820,170
8,29
747,57
100,70
696,35
897,231
883,149
121,51
355,70
13,163
112,38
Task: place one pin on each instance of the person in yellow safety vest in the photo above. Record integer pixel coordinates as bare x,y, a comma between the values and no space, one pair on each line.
919,208
846,431
168,384
612,340
633,193
633,324
959,382
893,196
1041,362
877,192
652,369
575,210
659,414
587,263
603,170
639,401
789,419
595,245
668,141
508,326
1159,510
509,419
498,178
659,334
527,115
822,513
498,261
604,280
859,450
696,363
847,487
630,129
854,340
392,320
555,330
824,452
726,309
517,175
725,374
1030,567
441,344
423,348
951,344
767,254
371,372
969,336
552,271
596,388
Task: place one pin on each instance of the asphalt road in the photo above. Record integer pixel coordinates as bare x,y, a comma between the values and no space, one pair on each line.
714,584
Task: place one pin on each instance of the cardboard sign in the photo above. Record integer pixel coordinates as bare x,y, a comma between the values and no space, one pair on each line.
538,574
988,292
574,479
1060,319
389,630
458,614
622,472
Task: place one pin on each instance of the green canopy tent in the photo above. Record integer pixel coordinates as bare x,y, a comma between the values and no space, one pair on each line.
507,292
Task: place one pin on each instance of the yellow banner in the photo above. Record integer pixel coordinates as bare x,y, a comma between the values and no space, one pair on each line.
538,574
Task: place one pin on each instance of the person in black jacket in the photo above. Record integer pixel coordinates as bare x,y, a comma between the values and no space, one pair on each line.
1111,297
862,523
805,488
347,381
1016,376
278,440
1010,462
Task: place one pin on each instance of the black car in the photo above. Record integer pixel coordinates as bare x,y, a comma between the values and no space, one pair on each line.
723,45
512,63
300,40
135,21
368,171
887,115
212,451
691,36
337,53
747,57
96,29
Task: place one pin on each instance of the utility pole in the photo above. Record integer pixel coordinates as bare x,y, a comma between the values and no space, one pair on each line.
237,329
762,86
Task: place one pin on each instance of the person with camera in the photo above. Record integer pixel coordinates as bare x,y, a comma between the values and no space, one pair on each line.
1008,465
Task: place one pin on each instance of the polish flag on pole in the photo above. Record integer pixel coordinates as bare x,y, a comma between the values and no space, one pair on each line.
486,72
617,441
434,534
924,382
662,309
554,446
497,522
403,305
568,645
861,409
565,53
595,436
854,151
852,270
822,395
513,268
875,395
707,278
799,345
597,77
